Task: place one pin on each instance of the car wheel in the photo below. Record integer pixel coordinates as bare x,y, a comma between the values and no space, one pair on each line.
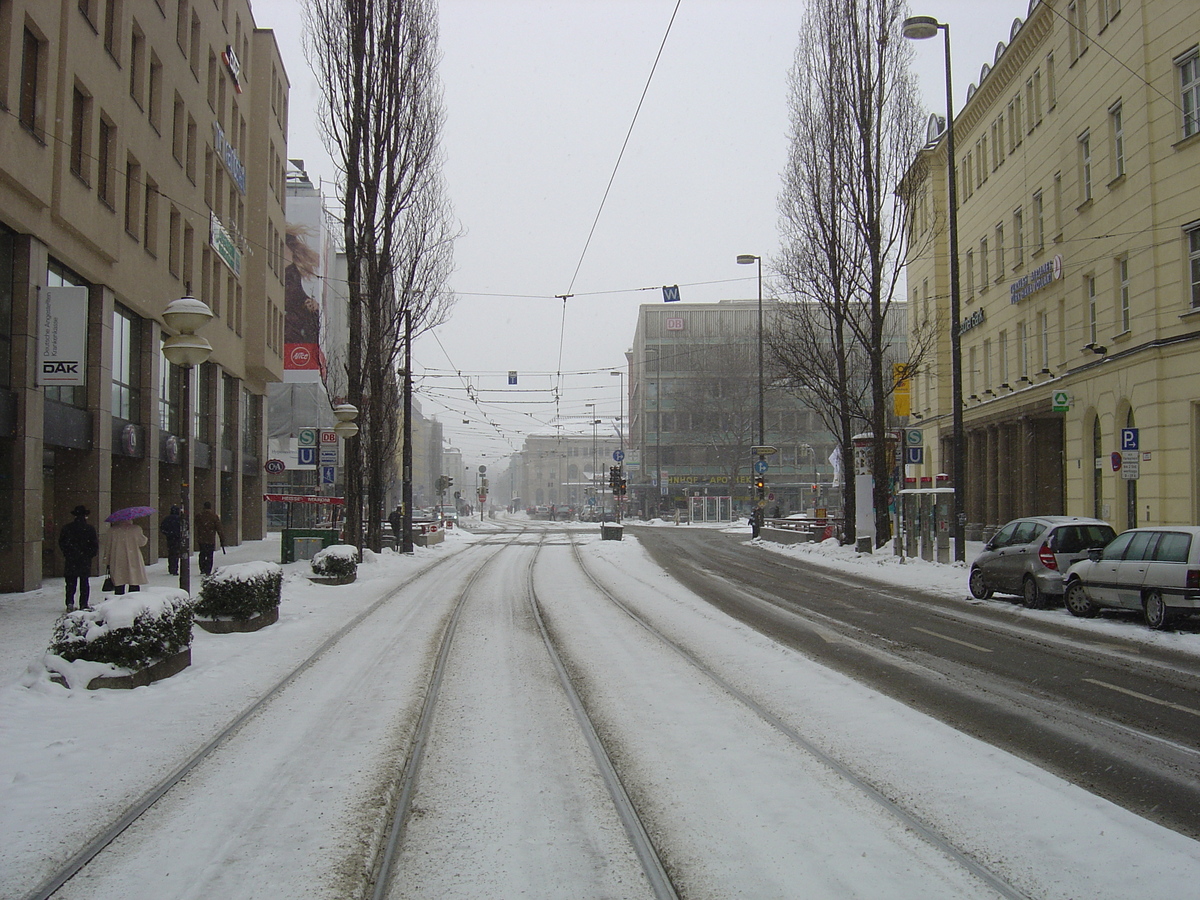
1078,603
980,589
1158,614
1031,594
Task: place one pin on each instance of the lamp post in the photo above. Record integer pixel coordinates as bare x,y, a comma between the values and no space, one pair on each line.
186,350
920,28
746,259
592,491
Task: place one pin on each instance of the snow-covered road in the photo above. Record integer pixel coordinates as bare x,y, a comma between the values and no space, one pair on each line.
509,801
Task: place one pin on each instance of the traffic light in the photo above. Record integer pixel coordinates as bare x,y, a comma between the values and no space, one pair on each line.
614,477
760,484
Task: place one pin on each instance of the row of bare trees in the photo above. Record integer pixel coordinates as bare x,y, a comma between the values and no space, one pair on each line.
855,133
382,118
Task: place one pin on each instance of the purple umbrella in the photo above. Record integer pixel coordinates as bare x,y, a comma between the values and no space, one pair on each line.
129,513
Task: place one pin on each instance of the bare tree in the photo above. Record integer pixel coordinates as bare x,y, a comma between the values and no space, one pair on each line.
382,119
855,132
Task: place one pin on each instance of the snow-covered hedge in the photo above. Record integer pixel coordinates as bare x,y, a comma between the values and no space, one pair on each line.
132,630
338,561
240,591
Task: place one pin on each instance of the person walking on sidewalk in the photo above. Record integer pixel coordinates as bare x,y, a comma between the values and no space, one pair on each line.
171,529
208,529
80,545
123,554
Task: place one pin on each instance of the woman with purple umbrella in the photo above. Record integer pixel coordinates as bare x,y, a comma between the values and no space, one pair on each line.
123,548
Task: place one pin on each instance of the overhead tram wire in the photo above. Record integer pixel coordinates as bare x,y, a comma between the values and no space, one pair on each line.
611,178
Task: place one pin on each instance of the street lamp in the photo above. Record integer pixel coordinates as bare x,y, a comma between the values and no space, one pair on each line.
618,500
186,350
745,259
920,28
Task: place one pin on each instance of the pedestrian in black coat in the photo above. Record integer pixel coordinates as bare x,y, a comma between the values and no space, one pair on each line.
171,528
396,520
79,544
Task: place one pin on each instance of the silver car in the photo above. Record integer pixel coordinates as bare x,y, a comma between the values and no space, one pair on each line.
1028,557
1154,570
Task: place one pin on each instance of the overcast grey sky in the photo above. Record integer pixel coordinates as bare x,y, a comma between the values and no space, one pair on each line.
539,95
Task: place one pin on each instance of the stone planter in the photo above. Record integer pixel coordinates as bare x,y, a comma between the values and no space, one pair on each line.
240,626
333,579
164,668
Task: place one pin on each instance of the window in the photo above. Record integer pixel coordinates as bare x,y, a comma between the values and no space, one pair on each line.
1044,340
1189,81
1193,236
1077,25
150,217
1058,215
983,264
1018,238
189,249
195,44
181,26
112,20
174,237
1000,252
1085,167
170,394
137,66
214,73
987,365
30,112
1108,12
154,100
1022,353
81,119
1002,356
997,142
1123,292
192,138
969,265
104,162
178,130
125,369
1117,127
1089,295
133,206
58,275
1051,87
1039,223
1031,104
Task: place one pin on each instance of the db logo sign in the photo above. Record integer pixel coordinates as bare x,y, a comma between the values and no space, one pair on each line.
674,324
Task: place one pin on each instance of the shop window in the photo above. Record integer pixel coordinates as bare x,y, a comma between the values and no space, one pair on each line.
126,368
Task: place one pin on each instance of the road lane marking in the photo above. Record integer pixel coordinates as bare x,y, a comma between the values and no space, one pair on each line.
1147,697
953,640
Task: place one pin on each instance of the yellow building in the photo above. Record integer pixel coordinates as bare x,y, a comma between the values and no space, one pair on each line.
143,157
1078,182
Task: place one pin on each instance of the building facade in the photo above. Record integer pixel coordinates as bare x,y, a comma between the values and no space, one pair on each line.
565,471
693,406
143,160
1078,182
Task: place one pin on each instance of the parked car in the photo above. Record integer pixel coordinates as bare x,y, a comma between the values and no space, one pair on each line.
1028,557
1154,570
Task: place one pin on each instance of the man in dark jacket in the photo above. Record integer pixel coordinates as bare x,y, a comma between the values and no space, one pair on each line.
396,520
171,529
208,529
80,545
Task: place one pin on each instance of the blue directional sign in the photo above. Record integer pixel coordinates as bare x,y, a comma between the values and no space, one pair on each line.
760,467
618,456
306,456
1129,439
914,456
328,475
671,293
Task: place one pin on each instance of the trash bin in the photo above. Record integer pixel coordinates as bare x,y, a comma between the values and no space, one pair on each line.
303,543
611,531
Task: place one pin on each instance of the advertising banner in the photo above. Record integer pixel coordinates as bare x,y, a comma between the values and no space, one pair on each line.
305,300
62,336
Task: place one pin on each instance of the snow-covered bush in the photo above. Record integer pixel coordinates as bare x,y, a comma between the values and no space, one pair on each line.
132,630
240,591
338,561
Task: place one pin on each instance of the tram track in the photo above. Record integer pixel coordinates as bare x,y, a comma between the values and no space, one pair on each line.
388,868
875,793
137,810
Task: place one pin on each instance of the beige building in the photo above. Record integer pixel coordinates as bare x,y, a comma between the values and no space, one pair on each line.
1078,182
143,150
560,470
